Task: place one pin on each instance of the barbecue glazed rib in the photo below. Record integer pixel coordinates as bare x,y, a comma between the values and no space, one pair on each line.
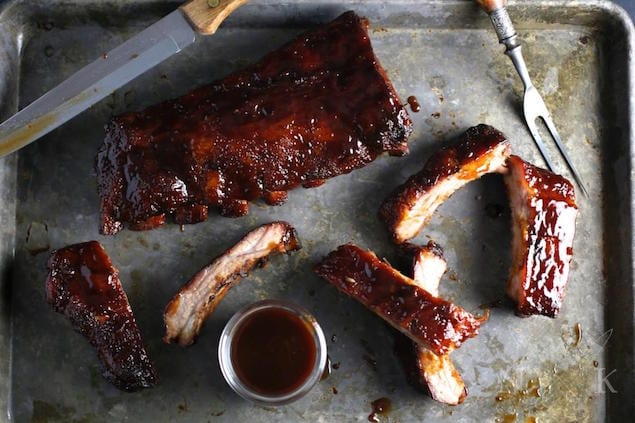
434,374
430,321
481,150
543,226
195,302
318,107
82,284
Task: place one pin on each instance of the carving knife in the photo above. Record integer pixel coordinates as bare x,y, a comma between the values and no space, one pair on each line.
89,85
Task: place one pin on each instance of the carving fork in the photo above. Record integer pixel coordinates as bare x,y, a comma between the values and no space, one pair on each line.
533,105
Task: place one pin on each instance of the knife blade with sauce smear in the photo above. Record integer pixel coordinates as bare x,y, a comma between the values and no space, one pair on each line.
112,70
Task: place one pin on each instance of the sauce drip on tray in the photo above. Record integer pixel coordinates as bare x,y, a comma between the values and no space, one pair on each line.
381,406
414,103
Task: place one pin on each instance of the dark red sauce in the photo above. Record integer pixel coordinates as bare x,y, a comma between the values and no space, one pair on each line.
273,351
414,103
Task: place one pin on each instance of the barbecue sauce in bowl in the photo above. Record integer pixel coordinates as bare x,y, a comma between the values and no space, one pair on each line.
272,352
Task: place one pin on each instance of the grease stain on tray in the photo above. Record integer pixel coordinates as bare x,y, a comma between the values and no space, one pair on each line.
566,78
135,286
44,412
555,394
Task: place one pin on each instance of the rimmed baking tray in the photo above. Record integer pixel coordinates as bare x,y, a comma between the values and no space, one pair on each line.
444,52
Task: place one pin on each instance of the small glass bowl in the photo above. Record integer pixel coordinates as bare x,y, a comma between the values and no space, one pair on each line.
231,376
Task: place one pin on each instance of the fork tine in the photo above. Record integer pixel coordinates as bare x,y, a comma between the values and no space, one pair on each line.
541,146
558,140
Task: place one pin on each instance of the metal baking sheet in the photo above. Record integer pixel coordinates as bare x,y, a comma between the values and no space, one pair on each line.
443,52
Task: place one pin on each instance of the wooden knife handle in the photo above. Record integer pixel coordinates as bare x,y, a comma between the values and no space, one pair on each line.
490,5
207,15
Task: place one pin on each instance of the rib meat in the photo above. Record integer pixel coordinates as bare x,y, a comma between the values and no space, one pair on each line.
82,284
426,265
481,150
543,221
432,373
195,302
430,321
318,107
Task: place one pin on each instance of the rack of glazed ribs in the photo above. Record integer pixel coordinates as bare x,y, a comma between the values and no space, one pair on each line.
316,108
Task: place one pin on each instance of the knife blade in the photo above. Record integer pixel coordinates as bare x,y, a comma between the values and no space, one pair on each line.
114,69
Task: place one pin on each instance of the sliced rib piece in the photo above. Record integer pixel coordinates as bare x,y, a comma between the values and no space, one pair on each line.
426,265
82,284
481,150
195,302
432,373
318,107
543,226
430,321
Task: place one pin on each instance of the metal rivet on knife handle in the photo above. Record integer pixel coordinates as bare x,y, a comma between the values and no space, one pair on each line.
207,15
533,105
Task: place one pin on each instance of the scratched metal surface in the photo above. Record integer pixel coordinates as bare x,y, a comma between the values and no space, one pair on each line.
443,52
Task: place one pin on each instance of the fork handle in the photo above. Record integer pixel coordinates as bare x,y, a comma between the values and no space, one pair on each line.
501,21
490,5
506,35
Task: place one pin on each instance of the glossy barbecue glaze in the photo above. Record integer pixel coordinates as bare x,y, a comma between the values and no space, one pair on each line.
481,150
316,108
83,285
433,322
543,221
